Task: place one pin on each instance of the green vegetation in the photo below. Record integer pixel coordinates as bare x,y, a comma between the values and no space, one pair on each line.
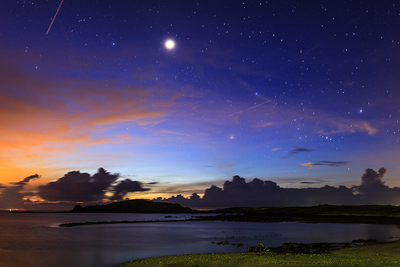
315,248
134,206
259,248
372,255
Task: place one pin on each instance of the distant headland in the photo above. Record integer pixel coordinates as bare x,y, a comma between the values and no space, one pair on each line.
134,206
370,214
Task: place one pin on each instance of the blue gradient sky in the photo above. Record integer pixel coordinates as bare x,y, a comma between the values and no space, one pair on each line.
289,92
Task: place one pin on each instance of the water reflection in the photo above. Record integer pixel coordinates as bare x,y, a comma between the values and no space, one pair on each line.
29,239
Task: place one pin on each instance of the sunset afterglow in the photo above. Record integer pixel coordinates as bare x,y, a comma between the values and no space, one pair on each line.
172,99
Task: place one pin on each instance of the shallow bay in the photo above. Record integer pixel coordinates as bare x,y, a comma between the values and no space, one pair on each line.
34,239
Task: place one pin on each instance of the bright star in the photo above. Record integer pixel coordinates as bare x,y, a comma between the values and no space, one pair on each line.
169,44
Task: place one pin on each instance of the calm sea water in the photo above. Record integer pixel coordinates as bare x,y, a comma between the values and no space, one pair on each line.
34,239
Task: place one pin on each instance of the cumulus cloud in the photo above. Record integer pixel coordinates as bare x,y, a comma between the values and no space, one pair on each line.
374,190
83,187
372,179
126,186
77,186
255,193
11,197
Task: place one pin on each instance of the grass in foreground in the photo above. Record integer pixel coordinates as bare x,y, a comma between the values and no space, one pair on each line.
374,255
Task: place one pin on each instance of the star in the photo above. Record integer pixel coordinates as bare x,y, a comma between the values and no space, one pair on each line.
169,44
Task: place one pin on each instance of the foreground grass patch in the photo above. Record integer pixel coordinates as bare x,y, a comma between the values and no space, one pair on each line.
376,255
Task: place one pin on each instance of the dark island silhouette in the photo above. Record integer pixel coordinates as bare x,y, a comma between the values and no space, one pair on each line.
134,206
372,214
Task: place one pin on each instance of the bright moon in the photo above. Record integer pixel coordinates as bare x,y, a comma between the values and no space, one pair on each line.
169,44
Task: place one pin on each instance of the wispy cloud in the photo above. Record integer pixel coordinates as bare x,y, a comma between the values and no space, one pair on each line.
324,163
223,166
296,151
38,117
228,165
172,132
335,125
263,124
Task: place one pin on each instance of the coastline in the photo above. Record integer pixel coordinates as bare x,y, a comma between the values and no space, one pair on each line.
298,253
265,219
383,254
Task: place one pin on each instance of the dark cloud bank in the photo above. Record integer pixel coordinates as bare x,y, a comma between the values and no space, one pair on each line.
82,187
76,187
73,187
256,193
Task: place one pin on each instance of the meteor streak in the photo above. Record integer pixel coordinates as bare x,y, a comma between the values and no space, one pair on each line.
249,108
55,15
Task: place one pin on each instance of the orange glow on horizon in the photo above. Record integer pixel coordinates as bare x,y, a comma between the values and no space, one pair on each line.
11,210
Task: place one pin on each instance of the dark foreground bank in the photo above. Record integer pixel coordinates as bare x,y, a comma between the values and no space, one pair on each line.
369,256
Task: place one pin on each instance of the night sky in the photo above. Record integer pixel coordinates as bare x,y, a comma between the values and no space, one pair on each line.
95,106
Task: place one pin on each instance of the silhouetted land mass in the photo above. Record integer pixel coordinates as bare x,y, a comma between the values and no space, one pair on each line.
360,210
369,214
376,214
134,206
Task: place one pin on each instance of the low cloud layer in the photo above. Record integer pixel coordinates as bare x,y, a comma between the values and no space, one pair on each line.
73,187
102,186
76,186
256,193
